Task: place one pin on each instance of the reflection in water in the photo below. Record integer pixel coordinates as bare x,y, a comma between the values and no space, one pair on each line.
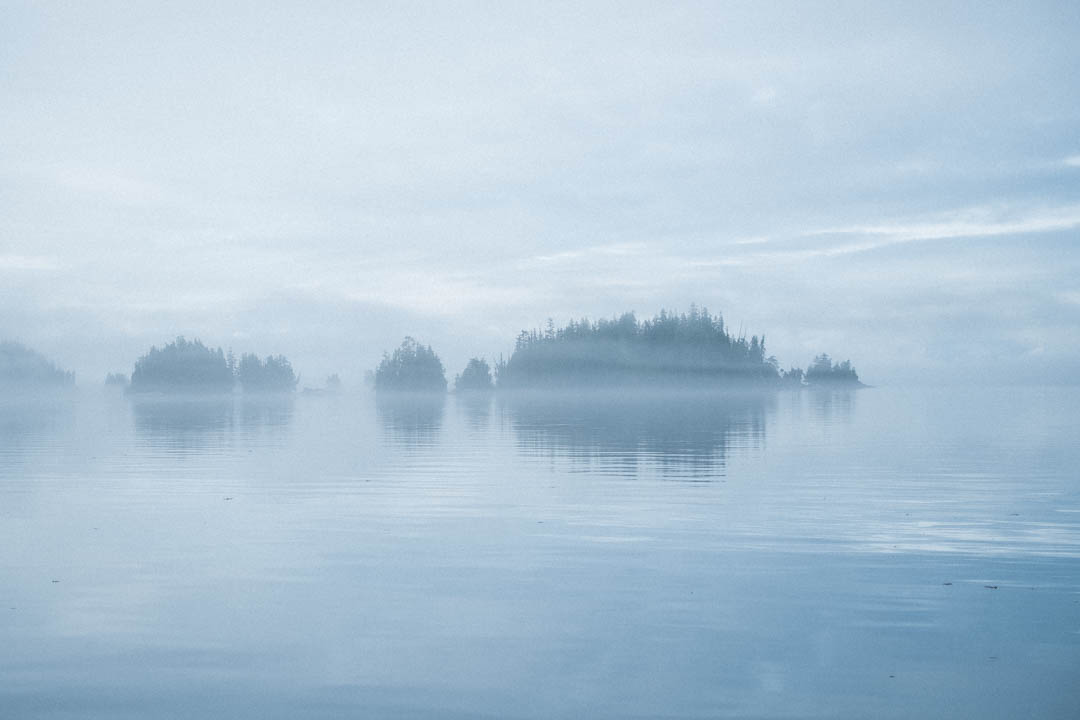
30,423
476,407
29,415
188,425
270,411
832,405
183,425
411,420
682,434
224,577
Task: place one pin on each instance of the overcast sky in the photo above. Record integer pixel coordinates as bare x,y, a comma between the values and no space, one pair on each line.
895,183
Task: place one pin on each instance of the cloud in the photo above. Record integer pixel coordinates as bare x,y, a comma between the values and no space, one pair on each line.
967,223
598,251
487,172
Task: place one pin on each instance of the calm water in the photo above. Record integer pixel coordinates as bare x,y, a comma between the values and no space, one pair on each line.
799,555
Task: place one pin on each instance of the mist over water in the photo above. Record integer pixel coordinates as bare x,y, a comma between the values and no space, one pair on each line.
873,553
531,361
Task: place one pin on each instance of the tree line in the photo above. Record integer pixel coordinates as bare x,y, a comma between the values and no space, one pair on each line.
689,349
692,349
190,366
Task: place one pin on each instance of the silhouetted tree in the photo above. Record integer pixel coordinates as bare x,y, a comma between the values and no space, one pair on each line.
114,379
333,383
475,376
413,367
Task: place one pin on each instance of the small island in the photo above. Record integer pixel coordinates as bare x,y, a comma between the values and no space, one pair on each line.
22,368
182,366
188,366
475,378
824,373
412,368
272,375
692,350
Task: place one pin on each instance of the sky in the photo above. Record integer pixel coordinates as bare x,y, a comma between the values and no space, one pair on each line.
894,183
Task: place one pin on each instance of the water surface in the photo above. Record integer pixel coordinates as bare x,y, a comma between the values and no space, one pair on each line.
881,553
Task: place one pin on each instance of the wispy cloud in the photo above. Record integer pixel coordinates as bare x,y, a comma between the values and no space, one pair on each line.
612,250
970,223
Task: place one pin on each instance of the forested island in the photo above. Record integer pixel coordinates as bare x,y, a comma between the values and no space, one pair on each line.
24,368
475,378
184,366
411,368
824,372
689,349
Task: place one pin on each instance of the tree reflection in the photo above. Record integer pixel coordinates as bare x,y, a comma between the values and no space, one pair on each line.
30,422
269,411
682,434
189,425
413,420
832,405
179,425
476,407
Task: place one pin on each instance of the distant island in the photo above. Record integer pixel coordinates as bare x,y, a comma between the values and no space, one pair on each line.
824,372
412,367
184,366
687,350
24,368
690,349
274,374
475,378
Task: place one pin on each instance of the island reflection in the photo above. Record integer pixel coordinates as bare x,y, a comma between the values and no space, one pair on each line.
683,434
188,425
411,420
